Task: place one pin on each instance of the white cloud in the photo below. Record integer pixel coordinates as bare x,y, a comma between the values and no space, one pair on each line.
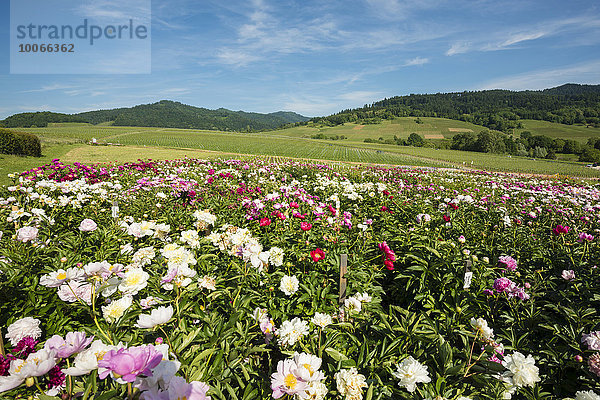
416,61
541,79
458,48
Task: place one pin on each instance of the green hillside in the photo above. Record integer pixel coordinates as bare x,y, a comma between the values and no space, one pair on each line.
500,110
166,114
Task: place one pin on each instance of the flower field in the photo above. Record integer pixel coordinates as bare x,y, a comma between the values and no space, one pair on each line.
191,279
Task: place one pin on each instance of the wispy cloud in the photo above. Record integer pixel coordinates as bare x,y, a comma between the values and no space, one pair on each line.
269,32
416,61
588,72
400,9
49,88
116,11
503,39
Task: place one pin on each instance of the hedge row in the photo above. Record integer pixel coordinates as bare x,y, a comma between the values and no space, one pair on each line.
19,143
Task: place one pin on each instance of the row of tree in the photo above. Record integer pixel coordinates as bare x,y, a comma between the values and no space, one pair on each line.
538,146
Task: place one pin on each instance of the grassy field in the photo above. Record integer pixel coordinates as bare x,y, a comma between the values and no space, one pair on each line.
69,143
574,132
430,128
436,128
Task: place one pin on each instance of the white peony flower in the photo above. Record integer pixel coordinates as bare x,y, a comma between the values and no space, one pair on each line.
208,282
88,225
205,216
410,372
316,390
292,331
587,395
322,320
521,370
158,316
289,285
352,303
350,383
24,327
134,280
36,364
191,237
54,279
116,309
482,327
308,367
276,256
27,234
87,360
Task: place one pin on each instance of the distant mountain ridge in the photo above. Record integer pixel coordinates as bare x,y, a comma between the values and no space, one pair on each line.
164,114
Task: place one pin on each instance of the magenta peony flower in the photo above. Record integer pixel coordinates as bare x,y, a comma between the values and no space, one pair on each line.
502,284
560,230
305,226
129,363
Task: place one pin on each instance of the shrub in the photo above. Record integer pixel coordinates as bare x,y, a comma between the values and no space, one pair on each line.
19,143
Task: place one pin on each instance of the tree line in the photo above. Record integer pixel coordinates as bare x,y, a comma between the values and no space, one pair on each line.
498,110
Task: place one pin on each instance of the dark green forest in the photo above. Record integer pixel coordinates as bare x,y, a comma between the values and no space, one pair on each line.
499,110
164,114
38,119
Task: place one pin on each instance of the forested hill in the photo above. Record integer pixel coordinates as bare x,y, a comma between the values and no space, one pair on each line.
165,114
495,109
26,120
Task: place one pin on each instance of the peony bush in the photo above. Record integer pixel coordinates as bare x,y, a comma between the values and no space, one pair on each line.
191,279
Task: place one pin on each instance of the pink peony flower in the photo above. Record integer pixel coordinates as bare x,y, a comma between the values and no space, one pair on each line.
129,363
73,343
591,340
585,237
568,275
180,389
509,262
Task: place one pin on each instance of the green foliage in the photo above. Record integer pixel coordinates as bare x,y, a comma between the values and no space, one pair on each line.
38,119
19,143
495,109
590,154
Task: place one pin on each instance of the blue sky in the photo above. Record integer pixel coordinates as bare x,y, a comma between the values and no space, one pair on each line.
319,57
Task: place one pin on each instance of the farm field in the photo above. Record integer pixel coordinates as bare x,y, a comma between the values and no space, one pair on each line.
437,128
493,162
553,130
430,128
222,278
291,143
